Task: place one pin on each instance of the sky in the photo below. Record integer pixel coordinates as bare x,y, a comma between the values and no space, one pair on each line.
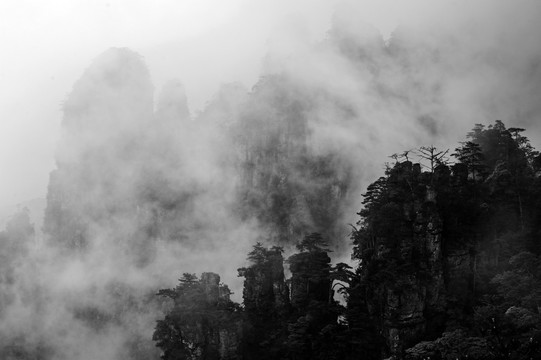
46,45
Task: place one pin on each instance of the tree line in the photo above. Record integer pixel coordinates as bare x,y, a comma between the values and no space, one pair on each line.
448,266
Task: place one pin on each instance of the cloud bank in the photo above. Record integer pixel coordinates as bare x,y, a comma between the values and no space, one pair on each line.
144,190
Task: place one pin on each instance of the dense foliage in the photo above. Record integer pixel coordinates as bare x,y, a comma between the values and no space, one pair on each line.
449,267
200,315
448,255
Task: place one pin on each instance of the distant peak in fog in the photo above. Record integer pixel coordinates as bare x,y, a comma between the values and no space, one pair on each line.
172,102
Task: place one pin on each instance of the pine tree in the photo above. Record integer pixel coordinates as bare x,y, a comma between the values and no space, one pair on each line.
200,313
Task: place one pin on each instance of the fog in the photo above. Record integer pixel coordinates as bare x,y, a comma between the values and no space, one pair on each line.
152,131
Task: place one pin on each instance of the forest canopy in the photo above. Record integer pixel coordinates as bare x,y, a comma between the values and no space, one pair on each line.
448,266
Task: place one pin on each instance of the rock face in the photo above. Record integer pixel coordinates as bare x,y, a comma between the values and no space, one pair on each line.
225,339
106,118
266,304
309,278
172,107
286,184
111,193
121,174
111,103
436,245
405,272
211,285
202,322
265,290
417,304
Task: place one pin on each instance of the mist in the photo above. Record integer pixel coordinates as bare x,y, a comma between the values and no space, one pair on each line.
168,154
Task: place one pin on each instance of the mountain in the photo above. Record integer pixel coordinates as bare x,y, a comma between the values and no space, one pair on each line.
36,208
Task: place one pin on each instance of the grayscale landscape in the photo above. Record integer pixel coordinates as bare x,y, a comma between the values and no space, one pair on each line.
265,179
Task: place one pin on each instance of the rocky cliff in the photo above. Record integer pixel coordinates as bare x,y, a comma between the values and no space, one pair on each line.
106,118
404,270
437,247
